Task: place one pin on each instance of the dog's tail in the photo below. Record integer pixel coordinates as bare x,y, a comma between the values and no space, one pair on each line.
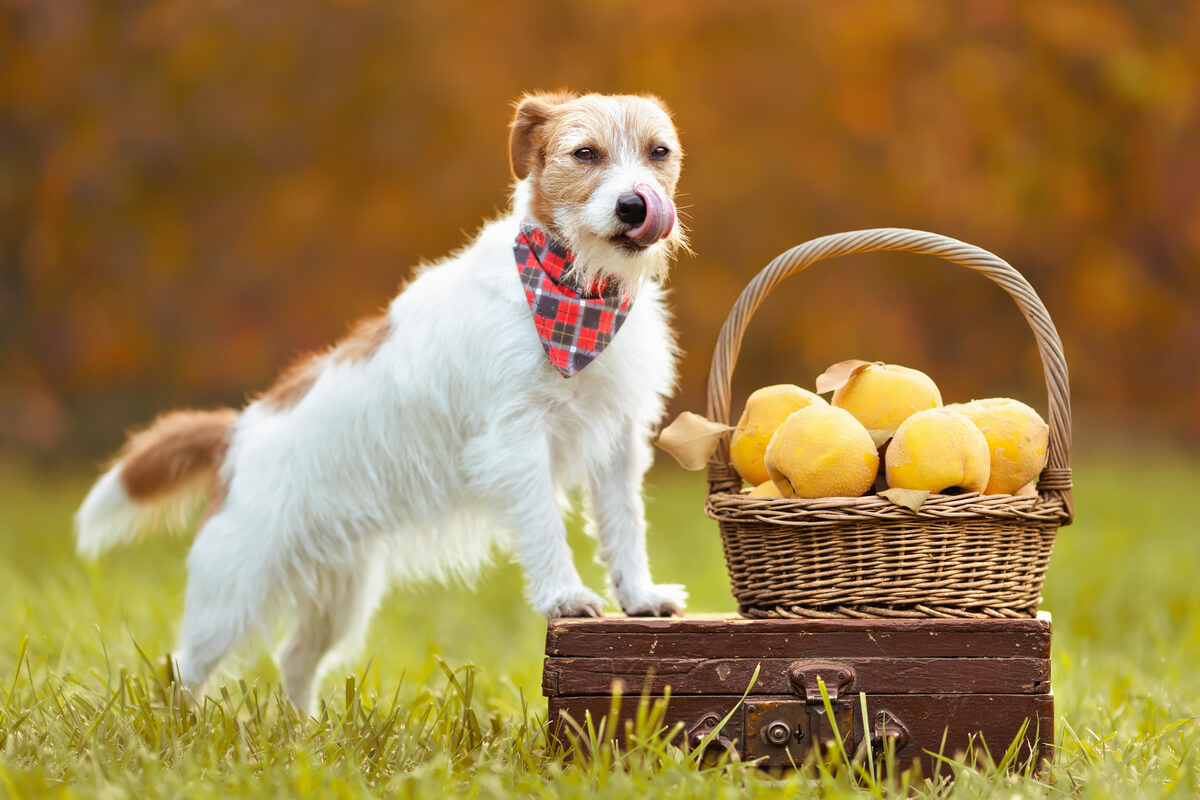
158,480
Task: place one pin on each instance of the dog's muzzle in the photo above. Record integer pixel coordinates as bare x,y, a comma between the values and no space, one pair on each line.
651,215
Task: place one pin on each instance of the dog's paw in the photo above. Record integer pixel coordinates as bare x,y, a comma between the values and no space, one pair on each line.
578,602
654,600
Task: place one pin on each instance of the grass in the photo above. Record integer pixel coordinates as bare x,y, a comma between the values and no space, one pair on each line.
446,699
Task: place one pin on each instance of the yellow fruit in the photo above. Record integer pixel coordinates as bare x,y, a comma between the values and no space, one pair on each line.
1017,437
765,489
881,396
766,409
938,449
822,451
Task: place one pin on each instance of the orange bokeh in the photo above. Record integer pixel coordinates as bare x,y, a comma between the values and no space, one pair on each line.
191,192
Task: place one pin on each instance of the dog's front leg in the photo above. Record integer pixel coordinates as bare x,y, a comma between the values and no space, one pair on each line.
618,520
540,537
540,545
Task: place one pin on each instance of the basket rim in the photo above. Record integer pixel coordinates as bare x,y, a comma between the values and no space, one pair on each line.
799,512
1055,480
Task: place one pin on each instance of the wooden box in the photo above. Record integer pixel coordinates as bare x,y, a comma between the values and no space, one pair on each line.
948,686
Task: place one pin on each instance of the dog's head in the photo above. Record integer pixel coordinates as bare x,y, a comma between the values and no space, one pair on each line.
599,171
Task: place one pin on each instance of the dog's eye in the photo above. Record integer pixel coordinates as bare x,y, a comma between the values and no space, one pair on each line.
659,153
586,154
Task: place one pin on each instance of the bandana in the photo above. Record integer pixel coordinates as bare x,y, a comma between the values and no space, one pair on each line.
574,324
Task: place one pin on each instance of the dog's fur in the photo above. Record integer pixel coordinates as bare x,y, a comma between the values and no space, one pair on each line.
431,431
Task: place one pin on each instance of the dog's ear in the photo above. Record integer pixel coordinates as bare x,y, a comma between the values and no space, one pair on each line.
524,142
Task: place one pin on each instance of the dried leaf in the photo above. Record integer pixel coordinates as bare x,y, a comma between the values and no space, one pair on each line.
912,499
691,439
880,438
836,376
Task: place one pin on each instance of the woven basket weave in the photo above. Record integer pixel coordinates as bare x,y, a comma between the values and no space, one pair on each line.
966,555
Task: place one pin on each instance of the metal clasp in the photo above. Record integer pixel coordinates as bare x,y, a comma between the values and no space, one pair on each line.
783,731
807,677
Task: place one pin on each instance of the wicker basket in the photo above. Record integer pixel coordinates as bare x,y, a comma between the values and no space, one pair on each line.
966,555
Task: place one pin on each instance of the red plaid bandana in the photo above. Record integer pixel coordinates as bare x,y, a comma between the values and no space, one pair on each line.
574,324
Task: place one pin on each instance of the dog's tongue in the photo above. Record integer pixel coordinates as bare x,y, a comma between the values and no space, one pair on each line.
660,217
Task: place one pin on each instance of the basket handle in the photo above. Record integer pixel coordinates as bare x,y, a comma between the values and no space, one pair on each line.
1055,478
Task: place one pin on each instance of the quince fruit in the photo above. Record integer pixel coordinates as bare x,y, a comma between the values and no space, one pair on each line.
765,489
766,409
822,451
881,396
938,449
1017,437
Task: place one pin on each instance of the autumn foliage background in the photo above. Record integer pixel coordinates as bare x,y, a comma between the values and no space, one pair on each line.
193,191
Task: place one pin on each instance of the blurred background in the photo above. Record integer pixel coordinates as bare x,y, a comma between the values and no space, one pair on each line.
194,191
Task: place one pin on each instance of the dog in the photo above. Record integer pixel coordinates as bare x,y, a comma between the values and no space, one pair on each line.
534,361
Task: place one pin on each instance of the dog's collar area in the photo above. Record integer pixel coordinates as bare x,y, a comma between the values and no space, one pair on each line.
574,324
559,261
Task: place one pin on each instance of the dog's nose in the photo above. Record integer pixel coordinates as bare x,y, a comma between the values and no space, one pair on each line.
631,208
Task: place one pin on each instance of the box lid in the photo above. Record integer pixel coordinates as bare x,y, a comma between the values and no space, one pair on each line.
718,654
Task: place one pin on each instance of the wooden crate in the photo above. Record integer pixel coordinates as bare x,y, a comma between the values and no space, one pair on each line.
931,685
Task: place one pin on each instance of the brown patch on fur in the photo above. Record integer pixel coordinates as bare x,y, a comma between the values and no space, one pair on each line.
542,207
218,490
366,337
525,141
294,382
175,448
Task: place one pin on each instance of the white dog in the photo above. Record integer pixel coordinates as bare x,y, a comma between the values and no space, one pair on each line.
535,360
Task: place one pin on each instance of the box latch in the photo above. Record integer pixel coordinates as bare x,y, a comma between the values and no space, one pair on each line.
784,731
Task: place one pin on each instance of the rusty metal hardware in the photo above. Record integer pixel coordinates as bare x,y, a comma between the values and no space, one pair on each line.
706,725
775,731
806,677
783,731
887,726
822,726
